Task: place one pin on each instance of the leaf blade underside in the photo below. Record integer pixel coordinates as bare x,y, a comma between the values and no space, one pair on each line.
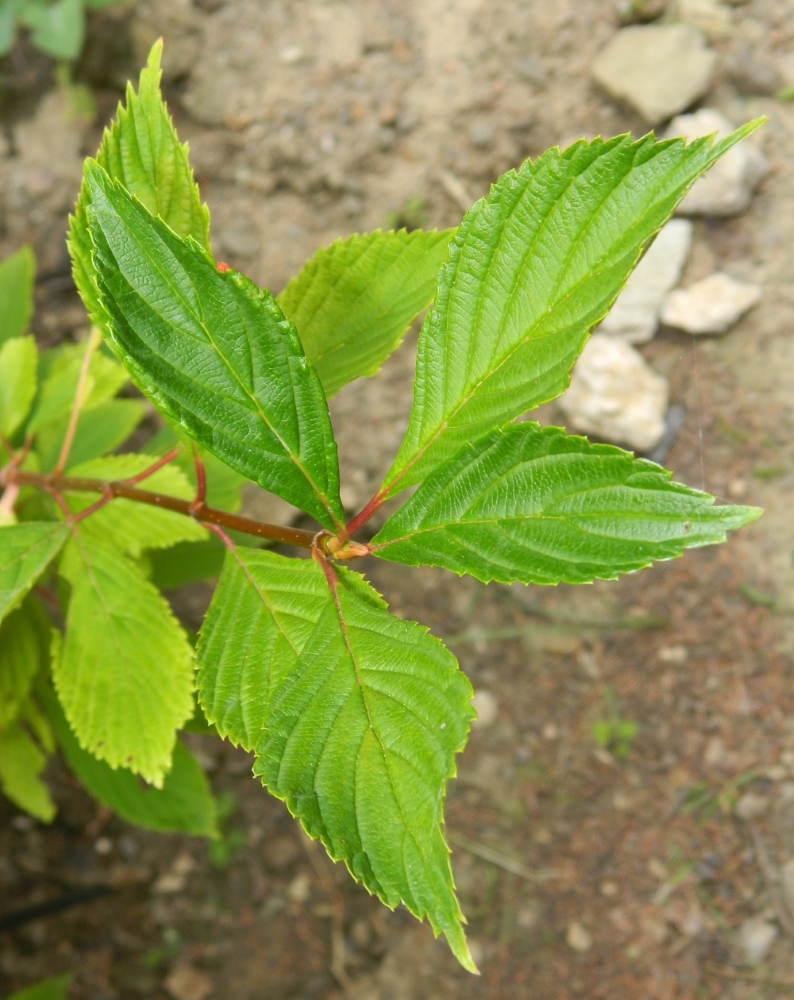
354,300
531,270
536,505
360,731
215,353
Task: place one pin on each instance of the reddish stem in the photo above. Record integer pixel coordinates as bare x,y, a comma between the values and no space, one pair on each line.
216,529
132,480
364,515
201,479
57,485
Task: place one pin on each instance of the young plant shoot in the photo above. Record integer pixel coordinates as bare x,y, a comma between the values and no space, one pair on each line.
355,717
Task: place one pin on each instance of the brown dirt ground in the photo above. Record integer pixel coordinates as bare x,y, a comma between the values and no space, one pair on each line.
308,120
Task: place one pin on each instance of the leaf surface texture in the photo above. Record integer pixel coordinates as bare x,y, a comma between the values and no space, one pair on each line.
215,353
531,270
537,505
360,717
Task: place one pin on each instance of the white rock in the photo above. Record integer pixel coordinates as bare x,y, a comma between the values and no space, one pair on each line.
659,69
712,17
728,187
712,305
615,395
756,936
635,314
486,707
578,937
787,883
750,806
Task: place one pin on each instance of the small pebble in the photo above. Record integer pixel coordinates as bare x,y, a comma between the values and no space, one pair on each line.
751,806
756,937
609,889
673,654
712,305
486,707
578,938
300,888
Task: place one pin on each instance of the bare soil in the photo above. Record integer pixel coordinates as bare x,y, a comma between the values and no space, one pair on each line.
582,875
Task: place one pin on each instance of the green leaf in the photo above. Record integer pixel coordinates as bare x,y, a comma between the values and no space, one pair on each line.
8,31
539,506
21,763
130,526
362,713
354,300
59,387
25,552
531,269
124,672
56,988
100,429
17,275
20,660
57,28
18,363
215,353
183,805
187,562
142,151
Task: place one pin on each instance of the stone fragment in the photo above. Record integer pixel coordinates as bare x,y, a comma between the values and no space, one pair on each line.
712,305
728,187
750,806
578,938
615,395
486,707
659,69
751,71
186,983
635,314
712,17
340,35
756,937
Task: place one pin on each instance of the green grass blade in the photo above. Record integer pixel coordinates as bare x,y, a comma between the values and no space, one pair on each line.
55,988
25,552
124,669
531,270
360,716
215,353
354,301
142,151
539,506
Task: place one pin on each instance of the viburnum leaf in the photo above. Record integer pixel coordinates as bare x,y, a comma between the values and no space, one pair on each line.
361,722
142,151
531,270
21,763
537,505
123,671
17,276
25,552
100,429
214,352
354,300
20,660
132,527
18,364
183,805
